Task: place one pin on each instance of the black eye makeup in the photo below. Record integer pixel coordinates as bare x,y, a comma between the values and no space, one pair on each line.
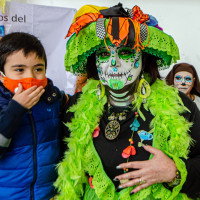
125,53
103,54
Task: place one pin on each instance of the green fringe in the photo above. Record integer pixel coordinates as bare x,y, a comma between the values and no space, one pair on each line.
80,46
170,135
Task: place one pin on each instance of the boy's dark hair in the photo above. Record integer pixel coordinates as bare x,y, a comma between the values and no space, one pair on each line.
17,41
149,64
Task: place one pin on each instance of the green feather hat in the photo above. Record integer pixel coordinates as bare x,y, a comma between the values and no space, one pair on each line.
95,26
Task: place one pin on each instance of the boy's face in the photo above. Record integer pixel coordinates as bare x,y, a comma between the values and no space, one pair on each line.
18,66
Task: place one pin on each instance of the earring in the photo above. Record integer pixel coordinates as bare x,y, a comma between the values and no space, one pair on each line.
100,90
143,89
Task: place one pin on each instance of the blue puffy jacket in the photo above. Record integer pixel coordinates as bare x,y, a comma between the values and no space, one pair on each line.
29,145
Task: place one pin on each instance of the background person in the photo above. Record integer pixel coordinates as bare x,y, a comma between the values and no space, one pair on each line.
184,77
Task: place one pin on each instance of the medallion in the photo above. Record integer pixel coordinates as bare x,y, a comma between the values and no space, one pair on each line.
112,130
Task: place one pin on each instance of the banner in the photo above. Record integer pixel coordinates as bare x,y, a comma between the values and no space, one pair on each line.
50,25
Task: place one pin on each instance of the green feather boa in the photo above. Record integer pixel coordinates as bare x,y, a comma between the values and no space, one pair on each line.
170,131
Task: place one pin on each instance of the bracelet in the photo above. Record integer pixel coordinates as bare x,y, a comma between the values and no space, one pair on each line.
176,181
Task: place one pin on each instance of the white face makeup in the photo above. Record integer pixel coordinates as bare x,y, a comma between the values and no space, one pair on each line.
118,67
184,81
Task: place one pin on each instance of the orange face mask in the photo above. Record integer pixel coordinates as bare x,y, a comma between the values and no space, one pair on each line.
12,85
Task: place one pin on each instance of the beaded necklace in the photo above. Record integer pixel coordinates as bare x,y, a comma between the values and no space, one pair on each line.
130,150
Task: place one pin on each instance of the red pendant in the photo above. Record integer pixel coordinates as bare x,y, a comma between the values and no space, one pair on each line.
130,150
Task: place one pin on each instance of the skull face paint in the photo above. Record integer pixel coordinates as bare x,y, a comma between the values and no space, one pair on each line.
184,81
118,67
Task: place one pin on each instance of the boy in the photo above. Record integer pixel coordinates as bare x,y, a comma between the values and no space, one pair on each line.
30,122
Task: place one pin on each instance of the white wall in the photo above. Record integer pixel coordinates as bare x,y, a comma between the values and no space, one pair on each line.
179,18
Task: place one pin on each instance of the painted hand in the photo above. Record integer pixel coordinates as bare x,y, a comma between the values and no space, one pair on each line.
157,170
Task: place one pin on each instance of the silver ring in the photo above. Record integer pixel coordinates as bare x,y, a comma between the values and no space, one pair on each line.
141,181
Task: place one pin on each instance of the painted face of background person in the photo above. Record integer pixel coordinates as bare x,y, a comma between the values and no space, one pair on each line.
118,67
184,81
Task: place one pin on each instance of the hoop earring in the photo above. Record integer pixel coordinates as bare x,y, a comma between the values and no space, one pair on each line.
143,89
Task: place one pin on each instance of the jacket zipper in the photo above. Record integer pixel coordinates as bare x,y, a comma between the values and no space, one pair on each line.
34,155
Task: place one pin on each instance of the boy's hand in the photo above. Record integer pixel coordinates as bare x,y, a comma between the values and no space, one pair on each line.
29,97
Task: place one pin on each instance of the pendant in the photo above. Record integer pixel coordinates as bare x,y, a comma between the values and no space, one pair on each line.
112,130
144,135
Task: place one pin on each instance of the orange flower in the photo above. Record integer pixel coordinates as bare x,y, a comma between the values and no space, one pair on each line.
138,15
130,150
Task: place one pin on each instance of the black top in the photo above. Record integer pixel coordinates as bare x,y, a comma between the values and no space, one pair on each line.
110,151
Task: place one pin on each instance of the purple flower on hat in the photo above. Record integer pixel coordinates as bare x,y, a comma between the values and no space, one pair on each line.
153,22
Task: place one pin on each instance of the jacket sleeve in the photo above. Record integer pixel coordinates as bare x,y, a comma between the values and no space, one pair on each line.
64,98
10,117
192,184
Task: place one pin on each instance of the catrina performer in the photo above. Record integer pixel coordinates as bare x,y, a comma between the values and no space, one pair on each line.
184,77
130,136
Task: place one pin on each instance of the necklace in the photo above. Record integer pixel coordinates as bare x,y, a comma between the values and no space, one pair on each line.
130,149
144,135
113,127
